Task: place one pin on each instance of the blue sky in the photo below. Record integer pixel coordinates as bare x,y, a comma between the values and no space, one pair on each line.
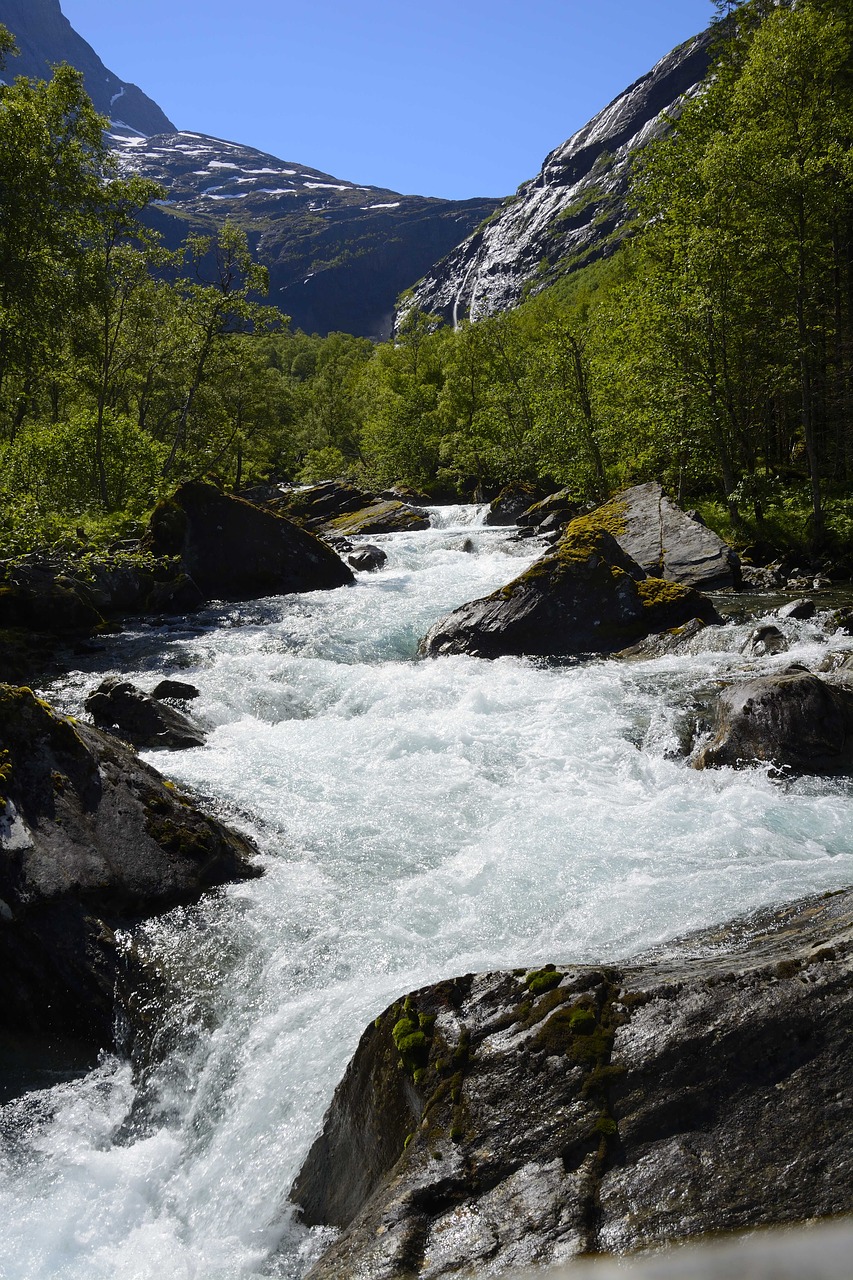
451,98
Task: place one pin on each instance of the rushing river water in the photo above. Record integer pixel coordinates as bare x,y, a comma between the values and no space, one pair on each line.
417,819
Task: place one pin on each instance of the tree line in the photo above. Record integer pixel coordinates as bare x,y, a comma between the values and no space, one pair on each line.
712,351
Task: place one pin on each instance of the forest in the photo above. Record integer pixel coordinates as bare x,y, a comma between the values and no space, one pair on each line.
712,351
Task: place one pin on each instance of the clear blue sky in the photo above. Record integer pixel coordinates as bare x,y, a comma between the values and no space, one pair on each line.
443,97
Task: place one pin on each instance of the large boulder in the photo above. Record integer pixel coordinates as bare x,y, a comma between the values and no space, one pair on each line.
667,542
505,1120
554,511
339,508
141,718
512,501
586,596
234,550
794,720
90,838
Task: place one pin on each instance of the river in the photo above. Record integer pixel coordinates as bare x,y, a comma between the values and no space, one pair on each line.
417,819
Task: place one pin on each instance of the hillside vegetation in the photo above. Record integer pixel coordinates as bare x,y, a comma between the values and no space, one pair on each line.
713,351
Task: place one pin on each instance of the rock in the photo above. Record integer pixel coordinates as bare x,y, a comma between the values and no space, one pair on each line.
843,621
674,641
511,502
235,551
118,706
560,507
90,838
653,530
763,641
587,596
368,558
342,509
178,595
177,689
49,605
497,1121
794,720
800,610
761,579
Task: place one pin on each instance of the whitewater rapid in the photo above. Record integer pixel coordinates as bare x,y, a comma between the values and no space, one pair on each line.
416,820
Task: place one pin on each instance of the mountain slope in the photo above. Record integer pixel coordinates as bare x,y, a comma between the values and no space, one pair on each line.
338,253
572,212
45,37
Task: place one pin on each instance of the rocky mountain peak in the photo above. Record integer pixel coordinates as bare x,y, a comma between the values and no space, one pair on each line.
45,37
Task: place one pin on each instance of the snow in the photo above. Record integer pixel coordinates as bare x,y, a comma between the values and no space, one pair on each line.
395,204
329,186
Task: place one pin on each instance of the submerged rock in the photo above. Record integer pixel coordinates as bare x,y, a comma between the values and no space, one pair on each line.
234,550
498,1121
587,596
763,641
367,559
90,838
794,720
142,718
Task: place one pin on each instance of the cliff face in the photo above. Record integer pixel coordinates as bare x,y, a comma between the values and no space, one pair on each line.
572,212
503,1120
338,253
45,37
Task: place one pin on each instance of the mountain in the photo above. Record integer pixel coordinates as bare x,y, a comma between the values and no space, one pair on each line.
338,253
45,37
573,211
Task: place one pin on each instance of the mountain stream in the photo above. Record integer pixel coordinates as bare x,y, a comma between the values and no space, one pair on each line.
416,819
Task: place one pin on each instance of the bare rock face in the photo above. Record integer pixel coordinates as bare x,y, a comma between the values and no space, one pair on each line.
587,596
234,550
504,1120
90,838
794,720
668,543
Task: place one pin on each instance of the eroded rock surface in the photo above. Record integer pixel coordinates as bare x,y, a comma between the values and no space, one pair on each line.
90,838
586,596
509,1119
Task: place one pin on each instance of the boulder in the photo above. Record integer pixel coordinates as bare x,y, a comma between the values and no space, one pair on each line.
179,690
499,1121
794,720
339,508
764,641
799,610
368,558
140,718
587,596
562,506
512,501
234,550
662,538
90,839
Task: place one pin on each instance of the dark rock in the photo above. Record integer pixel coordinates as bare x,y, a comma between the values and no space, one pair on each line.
342,509
235,551
178,595
761,579
587,596
177,689
90,838
559,507
48,605
510,503
763,641
800,610
843,621
793,720
495,1122
368,558
117,705
652,529
674,641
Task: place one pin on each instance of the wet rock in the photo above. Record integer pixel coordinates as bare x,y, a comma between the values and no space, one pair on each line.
763,641
511,502
343,509
843,621
368,558
90,838
180,690
800,610
793,720
235,551
502,1120
674,641
559,507
761,579
177,595
587,596
140,718
662,538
